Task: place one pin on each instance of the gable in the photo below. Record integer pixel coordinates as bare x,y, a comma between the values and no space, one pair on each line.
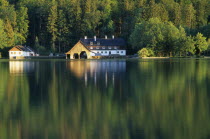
78,48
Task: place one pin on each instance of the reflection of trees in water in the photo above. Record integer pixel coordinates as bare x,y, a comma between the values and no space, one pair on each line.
167,100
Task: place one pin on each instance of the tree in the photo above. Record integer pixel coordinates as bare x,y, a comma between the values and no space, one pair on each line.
162,37
186,45
3,36
22,24
200,44
10,33
52,24
189,15
176,14
63,30
143,52
200,13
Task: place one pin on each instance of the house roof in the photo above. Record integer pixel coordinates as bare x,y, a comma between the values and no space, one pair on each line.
22,48
103,42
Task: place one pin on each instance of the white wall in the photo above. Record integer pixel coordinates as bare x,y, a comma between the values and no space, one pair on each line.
107,52
15,53
19,53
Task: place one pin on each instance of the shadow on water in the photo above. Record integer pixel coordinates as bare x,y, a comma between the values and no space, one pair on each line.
138,99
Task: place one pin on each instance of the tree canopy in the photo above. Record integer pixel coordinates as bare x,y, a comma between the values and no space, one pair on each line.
166,39
58,24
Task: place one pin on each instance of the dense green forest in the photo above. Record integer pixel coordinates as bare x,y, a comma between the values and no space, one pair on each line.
56,25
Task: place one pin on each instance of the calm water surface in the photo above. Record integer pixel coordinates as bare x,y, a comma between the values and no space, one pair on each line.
110,99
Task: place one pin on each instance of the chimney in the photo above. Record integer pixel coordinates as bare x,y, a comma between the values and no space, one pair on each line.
112,36
94,38
85,37
105,36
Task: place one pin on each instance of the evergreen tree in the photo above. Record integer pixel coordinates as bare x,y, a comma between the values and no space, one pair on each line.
3,36
22,24
63,31
189,15
10,33
52,24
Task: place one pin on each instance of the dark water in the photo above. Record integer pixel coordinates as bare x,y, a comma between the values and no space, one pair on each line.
110,99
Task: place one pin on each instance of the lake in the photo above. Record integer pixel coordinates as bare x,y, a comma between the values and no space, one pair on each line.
106,99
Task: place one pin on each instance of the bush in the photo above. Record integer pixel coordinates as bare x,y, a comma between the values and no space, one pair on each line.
42,50
146,52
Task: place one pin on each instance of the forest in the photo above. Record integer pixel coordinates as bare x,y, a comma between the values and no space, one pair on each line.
166,27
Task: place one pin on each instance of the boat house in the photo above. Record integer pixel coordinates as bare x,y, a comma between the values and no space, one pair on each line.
88,48
20,52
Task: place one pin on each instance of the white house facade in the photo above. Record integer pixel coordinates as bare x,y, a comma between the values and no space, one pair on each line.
20,52
98,47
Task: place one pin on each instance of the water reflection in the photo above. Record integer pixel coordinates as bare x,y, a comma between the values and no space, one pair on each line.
83,100
20,67
98,70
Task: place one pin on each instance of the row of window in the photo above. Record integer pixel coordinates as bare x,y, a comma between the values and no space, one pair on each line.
109,52
104,47
15,52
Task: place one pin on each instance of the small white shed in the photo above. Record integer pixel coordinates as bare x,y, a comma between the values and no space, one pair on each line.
20,52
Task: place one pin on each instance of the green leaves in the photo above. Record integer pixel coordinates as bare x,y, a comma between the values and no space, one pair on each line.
22,24
200,44
52,24
60,23
166,39
3,36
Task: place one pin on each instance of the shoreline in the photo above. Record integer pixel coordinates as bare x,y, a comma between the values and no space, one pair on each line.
125,58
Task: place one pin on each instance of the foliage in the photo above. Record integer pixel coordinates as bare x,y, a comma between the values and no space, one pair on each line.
166,39
52,26
187,45
145,52
60,23
3,36
200,44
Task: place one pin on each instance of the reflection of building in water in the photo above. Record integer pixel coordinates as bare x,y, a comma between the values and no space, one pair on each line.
98,70
21,67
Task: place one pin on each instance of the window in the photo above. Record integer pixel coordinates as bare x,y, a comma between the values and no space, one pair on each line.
91,43
103,47
91,47
97,47
19,53
115,47
105,51
117,51
14,52
121,51
98,43
97,52
11,52
102,52
110,47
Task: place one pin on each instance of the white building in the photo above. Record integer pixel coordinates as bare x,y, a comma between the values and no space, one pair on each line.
97,47
19,51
